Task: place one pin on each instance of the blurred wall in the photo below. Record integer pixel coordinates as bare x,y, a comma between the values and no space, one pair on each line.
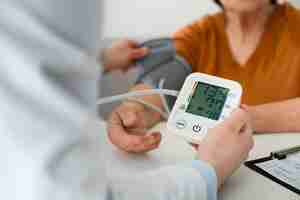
151,17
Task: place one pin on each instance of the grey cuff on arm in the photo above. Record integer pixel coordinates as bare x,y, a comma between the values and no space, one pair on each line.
173,72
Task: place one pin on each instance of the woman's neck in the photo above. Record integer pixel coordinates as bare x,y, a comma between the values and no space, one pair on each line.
249,22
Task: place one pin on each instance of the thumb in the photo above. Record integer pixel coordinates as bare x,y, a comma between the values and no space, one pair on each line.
138,53
133,44
129,118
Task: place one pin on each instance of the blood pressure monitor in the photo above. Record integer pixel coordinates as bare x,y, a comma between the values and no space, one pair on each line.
203,102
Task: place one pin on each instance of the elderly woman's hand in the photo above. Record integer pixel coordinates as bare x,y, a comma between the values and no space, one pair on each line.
227,145
127,129
122,55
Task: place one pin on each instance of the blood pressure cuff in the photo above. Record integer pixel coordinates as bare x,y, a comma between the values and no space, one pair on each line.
162,63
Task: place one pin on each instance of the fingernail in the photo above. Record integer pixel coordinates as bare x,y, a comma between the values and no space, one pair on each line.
156,135
151,138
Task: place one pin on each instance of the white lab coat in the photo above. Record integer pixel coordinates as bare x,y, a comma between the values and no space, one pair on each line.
47,102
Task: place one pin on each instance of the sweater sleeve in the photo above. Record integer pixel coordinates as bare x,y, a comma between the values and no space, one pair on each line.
190,40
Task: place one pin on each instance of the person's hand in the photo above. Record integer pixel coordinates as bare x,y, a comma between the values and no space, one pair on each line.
122,54
226,146
127,129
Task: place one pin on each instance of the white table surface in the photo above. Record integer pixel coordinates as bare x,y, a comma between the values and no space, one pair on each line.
245,184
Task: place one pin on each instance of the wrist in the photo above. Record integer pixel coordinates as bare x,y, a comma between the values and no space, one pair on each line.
256,122
151,117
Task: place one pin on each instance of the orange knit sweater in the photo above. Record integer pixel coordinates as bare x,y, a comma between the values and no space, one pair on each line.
271,74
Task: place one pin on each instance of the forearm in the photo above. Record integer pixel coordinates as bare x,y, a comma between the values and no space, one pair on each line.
181,182
277,117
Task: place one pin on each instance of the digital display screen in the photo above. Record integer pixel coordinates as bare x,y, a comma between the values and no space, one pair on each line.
207,100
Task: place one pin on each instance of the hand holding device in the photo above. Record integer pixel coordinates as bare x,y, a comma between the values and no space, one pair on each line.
203,102
227,145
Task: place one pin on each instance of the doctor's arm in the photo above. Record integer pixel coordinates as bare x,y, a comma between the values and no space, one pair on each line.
118,55
179,182
198,179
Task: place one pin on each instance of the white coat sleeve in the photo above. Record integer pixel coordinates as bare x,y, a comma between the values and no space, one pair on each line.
55,53
196,181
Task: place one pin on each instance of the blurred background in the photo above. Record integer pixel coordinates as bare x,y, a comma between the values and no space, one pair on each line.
144,19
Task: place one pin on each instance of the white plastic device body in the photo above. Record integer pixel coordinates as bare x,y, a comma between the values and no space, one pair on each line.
213,100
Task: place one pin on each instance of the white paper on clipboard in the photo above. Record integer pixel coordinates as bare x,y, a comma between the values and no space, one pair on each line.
286,170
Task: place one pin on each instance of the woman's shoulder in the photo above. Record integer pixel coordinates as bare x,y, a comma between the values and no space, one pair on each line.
209,20
292,13
292,22
205,24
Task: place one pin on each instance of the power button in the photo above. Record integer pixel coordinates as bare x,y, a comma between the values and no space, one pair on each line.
197,128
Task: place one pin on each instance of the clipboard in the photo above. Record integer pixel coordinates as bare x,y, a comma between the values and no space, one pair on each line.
256,166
